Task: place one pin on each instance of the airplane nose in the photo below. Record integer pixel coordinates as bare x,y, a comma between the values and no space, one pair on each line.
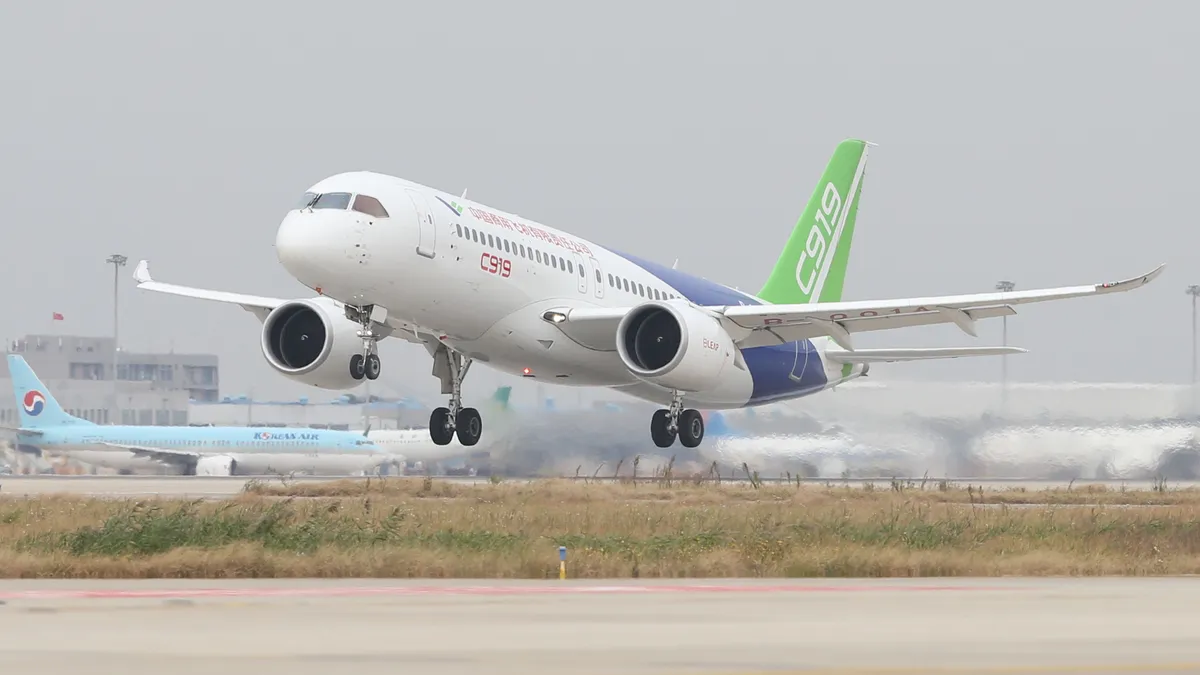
311,246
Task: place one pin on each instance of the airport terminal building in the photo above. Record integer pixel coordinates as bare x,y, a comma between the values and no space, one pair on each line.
150,389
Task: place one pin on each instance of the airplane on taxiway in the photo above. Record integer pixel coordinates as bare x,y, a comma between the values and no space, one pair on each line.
203,451
389,257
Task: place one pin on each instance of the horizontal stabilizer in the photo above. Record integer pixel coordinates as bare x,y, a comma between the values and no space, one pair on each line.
889,355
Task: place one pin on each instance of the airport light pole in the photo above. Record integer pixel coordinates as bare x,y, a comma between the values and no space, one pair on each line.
117,261
1004,287
1194,291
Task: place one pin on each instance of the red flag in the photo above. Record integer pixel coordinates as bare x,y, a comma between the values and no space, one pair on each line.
58,317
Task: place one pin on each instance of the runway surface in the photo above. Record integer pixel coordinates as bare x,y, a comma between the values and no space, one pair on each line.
220,487
629,627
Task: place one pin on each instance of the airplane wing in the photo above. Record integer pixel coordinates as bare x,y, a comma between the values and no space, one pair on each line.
759,325
257,304
164,455
918,354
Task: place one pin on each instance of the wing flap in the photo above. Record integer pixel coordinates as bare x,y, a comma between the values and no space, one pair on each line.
812,329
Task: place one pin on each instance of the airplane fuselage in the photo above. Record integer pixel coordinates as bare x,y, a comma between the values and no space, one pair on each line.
252,451
481,279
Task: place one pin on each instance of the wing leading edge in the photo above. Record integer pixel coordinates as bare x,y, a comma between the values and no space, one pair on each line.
259,305
760,325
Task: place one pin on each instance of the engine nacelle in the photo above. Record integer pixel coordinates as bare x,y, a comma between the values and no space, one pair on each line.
311,341
674,347
217,465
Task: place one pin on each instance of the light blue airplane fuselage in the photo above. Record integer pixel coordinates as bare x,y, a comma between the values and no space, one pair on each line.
190,450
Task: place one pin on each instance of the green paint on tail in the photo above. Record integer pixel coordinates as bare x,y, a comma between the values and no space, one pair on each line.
812,267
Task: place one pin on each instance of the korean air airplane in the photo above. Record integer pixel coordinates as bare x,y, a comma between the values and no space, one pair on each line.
388,257
205,451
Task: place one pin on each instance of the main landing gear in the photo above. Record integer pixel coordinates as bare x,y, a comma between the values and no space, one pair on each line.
367,363
451,367
668,423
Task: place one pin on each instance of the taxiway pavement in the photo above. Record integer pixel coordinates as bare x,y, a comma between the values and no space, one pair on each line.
638,627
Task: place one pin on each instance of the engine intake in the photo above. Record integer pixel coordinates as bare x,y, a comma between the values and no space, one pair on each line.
675,347
311,341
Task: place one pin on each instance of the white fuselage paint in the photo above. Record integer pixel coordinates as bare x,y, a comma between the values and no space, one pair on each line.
482,298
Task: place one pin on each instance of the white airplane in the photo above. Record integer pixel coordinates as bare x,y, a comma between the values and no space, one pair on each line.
389,257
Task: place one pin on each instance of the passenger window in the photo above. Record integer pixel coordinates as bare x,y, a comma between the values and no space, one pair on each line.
539,255
598,279
554,261
523,251
610,280
475,236
625,282
459,228
506,247
332,200
491,241
370,206
641,290
571,268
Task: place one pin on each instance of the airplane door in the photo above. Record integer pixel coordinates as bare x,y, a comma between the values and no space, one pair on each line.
581,273
427,243
598,276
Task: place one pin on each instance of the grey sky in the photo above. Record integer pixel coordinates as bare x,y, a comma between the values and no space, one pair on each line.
1047,143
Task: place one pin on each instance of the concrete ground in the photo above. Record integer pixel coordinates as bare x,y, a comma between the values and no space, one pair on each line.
962,626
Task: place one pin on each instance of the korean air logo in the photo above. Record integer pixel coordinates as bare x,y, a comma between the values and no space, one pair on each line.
263,436
34,403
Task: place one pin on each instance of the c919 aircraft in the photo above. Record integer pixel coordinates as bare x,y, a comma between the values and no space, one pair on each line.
389,257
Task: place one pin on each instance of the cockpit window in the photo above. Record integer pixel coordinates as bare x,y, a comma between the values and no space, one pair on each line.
306,200
332,200
369,206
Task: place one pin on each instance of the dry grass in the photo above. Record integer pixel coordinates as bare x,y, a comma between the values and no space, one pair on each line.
427,528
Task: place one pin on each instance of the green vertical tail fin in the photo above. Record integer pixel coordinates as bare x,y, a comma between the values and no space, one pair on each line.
812,267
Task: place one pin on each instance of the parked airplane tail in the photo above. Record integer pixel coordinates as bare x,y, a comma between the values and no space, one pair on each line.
35,404
500,397
812,267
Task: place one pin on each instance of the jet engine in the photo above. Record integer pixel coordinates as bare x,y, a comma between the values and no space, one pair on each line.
674,347
311,341
217,465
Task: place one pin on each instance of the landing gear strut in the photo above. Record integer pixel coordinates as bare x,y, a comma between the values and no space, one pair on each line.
367,363
444,423
668,423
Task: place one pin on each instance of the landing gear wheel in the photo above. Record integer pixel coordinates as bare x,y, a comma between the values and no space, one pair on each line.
660,428
451,367
691,428
357,369
469,426
372,366
440,429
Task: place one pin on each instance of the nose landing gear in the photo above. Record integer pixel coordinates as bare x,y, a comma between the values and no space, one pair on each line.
367,363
